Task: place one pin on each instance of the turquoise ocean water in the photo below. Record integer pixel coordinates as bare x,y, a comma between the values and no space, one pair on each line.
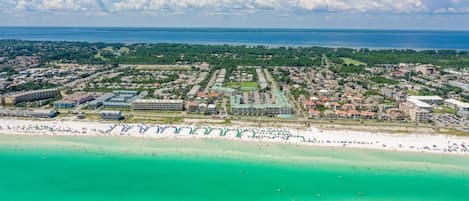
57,172
400,39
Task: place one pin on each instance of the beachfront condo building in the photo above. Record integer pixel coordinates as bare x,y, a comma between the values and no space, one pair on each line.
111,115
462,107
29,96
419,115
30,113
121,99
281,107
73,100
424,102
158,104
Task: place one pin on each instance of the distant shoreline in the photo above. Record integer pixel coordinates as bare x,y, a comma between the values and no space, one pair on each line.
241,44
272,37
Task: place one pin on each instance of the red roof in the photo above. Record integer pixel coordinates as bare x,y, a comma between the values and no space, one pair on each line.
366,113
324,98
340,112
308,103
353,112
201,94
313,111
319,103
214,94
193,104
348,106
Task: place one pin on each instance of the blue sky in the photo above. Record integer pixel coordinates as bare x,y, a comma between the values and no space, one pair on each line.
374,14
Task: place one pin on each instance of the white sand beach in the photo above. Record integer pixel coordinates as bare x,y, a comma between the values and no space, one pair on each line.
417,142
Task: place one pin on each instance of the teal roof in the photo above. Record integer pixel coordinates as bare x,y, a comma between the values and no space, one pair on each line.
281,101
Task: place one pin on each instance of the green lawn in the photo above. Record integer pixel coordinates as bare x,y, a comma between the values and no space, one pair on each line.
444,110
242,84
350,61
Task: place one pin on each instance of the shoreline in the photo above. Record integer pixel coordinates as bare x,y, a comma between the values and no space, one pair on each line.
270,171
419,143
229,151
270,45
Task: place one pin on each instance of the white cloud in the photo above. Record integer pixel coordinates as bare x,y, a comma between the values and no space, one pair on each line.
59,5
397,6
451,10
241,6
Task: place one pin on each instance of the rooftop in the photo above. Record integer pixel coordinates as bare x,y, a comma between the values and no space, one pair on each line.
157,101
77,96
419,100
458,103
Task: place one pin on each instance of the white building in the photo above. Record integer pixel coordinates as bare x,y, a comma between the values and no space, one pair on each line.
158,104
424,102
462,107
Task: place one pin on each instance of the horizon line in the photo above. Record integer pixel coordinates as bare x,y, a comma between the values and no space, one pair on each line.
250,28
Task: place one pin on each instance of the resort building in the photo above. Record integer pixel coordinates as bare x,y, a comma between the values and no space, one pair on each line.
202,108
211,109
354,114
424,102
158,104
123,99
29,96
34,113
419,115
111,115
464,86
395,114
64,105
73,100
223,90
281,107
192,107
462,107
457,104
99,101
315,114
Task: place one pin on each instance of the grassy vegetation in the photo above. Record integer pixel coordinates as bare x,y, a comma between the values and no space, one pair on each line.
444,110
350,61
242,84
248,84
372,93
171,120
451,131
412,93
101,57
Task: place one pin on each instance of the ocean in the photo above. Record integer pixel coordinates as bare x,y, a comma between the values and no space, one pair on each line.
375,39
47,168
